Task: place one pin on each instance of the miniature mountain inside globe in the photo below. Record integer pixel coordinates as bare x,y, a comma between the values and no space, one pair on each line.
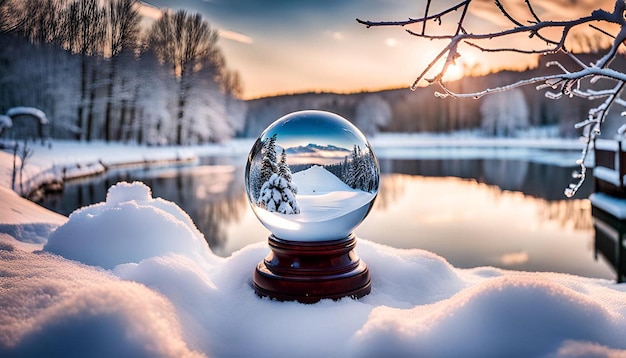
317,180
322,196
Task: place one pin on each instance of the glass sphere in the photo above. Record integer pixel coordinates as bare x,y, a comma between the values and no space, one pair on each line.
311,176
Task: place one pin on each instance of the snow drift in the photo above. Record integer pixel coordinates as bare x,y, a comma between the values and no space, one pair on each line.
179,300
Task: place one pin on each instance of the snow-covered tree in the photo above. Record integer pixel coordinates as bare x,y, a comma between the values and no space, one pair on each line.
121,18
504,113
186,44
79,61
372,175
362,173
277,192
372,113
283,168
285,172
151,99
276,196
268,161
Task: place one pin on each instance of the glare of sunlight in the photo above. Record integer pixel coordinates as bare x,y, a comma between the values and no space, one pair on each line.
514,258
391,42
454,72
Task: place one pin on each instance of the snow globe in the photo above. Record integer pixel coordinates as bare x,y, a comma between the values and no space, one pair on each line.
311,178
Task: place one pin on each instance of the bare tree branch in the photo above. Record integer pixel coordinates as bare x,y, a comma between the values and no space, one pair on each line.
566,82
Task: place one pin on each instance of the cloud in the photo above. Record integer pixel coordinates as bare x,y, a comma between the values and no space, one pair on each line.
235,36
337,36
149,11
391,42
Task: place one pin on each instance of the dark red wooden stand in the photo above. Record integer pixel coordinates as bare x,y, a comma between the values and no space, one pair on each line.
310,271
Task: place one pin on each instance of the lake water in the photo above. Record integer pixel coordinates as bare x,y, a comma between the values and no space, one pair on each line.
474,212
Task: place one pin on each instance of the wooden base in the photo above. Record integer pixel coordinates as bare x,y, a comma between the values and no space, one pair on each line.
310,271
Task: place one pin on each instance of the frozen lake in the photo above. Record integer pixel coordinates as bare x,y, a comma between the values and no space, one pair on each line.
506,212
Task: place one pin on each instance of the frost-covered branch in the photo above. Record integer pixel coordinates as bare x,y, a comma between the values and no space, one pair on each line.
566,82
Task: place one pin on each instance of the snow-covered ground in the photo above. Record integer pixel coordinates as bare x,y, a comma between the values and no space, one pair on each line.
133,277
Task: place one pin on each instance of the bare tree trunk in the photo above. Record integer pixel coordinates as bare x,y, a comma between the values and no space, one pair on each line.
179,120
15,147
83,95
132,119
123,124
109,105
92,99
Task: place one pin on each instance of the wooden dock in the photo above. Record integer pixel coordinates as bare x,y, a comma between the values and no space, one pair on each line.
609,203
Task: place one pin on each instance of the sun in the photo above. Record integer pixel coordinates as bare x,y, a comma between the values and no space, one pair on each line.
454,72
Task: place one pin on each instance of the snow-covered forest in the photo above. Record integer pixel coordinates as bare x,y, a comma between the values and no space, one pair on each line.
358,171
100,71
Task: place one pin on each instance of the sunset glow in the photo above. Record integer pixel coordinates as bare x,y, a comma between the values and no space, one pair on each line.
299,46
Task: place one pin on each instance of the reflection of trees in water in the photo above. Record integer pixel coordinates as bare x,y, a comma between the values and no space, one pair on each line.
509,174
213,216
568,213
575,214
213,199
392,187
535,179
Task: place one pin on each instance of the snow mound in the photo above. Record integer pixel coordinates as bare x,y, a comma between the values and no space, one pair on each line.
317,180
123,192
52,307
31,111
129,227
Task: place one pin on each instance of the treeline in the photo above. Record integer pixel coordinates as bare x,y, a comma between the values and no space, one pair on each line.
100,73
358,172
421,111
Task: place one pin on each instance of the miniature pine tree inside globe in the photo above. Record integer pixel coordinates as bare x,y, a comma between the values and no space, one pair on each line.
311,176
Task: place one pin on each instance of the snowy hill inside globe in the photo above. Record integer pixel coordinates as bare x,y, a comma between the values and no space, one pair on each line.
317,180
329,209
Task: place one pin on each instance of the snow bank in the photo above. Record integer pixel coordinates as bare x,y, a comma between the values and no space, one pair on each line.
63,160
52,307
31,111
129,227
177,300
25,221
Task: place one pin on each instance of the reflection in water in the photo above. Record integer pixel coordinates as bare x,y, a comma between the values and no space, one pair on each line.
569,214
508,214
534,179
474,224
505,173
609,243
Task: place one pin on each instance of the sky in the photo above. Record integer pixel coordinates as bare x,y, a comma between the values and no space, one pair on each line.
291,46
